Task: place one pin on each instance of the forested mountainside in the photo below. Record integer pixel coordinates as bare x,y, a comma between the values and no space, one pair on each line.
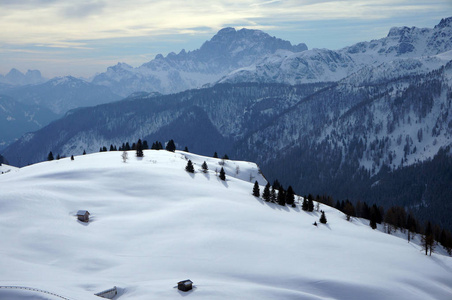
17,118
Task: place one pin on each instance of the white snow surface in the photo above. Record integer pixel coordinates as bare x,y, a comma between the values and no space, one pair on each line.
153,224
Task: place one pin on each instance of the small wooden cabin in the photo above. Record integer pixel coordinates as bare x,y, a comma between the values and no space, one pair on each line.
109,294
185,285
83,215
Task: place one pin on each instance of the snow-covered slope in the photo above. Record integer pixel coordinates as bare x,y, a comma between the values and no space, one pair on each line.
319,65
153,224
228,50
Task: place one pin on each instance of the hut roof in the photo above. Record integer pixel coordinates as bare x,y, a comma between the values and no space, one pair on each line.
82,212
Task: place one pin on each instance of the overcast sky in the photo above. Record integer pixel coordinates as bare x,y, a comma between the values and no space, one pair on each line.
82,37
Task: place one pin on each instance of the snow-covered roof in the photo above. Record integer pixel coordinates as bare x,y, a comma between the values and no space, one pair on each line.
82,212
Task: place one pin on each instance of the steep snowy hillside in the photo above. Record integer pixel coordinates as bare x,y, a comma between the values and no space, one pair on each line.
319,65
226,51
153,224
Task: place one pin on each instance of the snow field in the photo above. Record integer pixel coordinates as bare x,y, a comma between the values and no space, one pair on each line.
153,224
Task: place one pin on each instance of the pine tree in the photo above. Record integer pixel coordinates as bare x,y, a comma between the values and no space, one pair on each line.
323,218
112,148
225,157
290,196
189,167
50,156
305,205
266,193
84,152
281,196
256,190
310,203
204,167
72,157
186,149
215,155
145,145
222,174
170,146
139,148
428,241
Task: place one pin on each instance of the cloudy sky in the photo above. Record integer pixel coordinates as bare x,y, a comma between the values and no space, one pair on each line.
82,37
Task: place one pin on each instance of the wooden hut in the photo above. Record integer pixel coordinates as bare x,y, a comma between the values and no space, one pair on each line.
185,285
83,215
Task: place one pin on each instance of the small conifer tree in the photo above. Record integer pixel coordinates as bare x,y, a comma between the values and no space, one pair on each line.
84,152
50,156
186,149
222,174
189,167
323,218
281,196
215,155
256,190
72,157
290,196
266,193
204,167
139,148
170,146
304,205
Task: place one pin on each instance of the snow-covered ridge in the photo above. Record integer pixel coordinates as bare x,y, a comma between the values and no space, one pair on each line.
323,65
153,224
228,50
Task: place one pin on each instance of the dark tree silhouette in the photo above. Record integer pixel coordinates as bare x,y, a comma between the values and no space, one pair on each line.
281,196
170,146
256,190
139,148
266,193
290,196
323,218
189,167
204,167
215,155
50,156
222,174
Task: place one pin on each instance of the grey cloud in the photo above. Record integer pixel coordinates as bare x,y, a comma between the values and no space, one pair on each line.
83,10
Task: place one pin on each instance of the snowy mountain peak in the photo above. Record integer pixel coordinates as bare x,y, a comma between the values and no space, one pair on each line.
228,50
447,22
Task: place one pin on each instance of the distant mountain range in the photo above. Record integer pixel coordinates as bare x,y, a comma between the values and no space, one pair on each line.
228,50
339,122
17,78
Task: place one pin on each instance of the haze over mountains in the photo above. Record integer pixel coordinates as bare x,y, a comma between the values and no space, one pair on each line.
324,121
